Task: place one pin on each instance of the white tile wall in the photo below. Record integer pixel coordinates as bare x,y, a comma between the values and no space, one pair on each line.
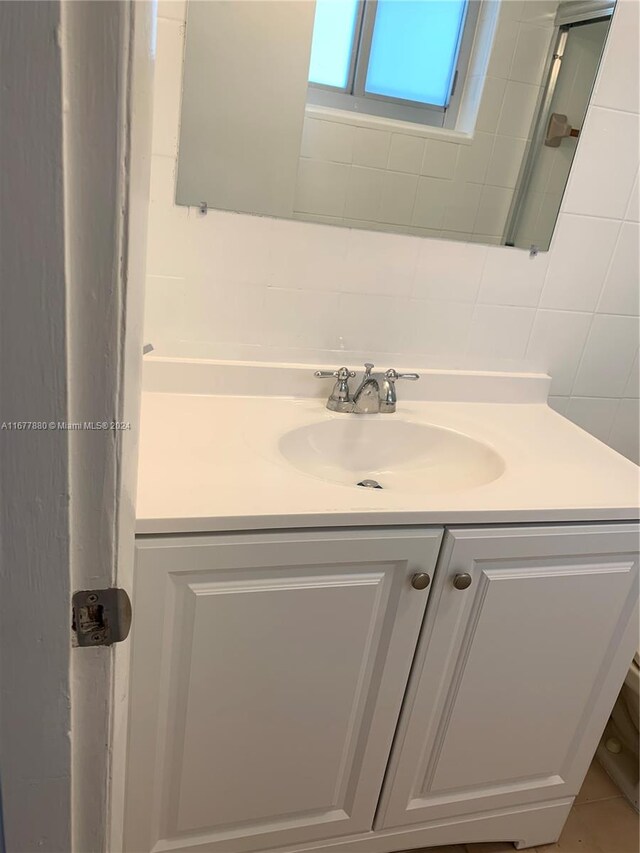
364,193
315,260
559,404
593,414
633,208
229,285
298,318
505,162
384,267
437,328
530,54
367,323
406,153
432,197
448,272
618,85
462,210
371,148
491,104
621,294
324,140
164,307
612,137
625,435
322,187
230,320
500,331
473,160
632,388
582,249
517,109
557,343
398,198
506,280
492,210
608,356
440,159
504,45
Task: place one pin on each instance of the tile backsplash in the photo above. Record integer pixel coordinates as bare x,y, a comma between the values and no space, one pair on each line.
235,286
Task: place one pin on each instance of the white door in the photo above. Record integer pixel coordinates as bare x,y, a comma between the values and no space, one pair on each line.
516,674
267,677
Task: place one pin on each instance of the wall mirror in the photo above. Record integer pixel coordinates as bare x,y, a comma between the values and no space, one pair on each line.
446,118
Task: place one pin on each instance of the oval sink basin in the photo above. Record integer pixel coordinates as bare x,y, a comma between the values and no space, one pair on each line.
399,455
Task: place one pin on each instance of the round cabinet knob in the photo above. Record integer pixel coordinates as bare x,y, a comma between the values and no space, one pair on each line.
420,580
462,581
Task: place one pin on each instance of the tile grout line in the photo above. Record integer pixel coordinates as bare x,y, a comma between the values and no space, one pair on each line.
599,800
594,312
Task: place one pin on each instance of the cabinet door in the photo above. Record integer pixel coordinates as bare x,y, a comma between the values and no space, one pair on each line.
268,672
516,674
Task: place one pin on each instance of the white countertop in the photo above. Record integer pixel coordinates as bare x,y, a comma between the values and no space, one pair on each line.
211,462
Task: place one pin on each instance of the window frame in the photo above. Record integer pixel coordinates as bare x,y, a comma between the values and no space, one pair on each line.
353,97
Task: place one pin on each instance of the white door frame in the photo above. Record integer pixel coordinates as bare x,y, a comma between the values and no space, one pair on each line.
74,151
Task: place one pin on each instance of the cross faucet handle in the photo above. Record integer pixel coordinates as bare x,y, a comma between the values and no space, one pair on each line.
340,398
388,397
342,374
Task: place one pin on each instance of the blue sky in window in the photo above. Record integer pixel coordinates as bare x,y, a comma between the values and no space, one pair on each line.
414,49
333,32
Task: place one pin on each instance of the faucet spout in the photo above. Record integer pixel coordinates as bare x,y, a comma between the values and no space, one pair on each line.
366,399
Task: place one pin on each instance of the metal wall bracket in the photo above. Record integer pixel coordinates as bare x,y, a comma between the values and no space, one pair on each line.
100,617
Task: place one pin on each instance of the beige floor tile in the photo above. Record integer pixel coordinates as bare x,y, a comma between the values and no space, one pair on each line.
605,826
451,848
597,826
576,836
612,824
597,786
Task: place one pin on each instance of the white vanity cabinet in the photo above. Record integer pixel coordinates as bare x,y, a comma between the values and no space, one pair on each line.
267,677
290,693
516,673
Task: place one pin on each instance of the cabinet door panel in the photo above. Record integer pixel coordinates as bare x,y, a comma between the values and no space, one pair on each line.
267,677
515,675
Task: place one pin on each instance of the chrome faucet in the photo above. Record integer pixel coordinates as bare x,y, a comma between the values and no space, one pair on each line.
366,399
376,393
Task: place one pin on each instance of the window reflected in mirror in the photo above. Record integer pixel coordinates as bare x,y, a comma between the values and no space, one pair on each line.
456,119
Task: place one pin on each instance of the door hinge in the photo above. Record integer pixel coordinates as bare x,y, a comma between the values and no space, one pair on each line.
100,617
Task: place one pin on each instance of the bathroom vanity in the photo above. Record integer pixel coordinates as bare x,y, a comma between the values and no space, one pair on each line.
322,667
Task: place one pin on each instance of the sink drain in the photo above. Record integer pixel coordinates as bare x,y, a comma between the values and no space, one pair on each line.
369,484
